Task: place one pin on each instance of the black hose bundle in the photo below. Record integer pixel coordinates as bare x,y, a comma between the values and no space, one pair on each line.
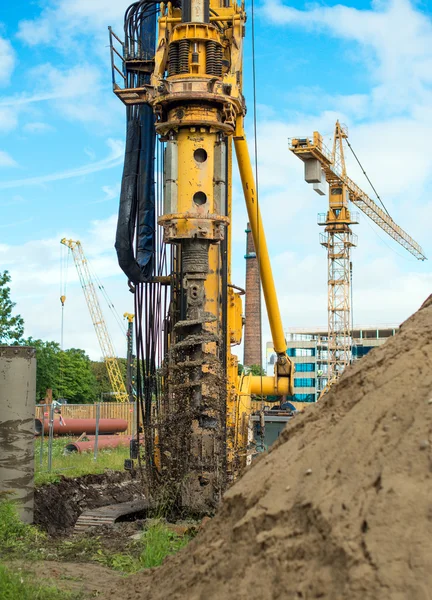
135,237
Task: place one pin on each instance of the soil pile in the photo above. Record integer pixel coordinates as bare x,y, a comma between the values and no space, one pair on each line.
340,508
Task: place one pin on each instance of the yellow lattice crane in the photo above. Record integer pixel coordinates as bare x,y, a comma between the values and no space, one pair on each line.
86,280
322,164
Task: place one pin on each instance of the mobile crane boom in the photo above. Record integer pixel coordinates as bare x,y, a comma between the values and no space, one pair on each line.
106,346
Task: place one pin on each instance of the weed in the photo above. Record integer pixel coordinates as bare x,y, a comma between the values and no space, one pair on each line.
159,542
74,464
17,586
16,537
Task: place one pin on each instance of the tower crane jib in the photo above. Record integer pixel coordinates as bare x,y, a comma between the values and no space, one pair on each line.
321,165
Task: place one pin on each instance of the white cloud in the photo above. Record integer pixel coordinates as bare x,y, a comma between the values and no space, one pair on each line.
63,21
7,61
76,93
112,192
114,158
35,271
37,127
6,160
395,42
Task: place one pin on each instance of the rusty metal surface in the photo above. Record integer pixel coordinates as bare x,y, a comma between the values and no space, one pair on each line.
77,426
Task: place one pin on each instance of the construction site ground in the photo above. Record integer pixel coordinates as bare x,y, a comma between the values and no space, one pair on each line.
339,508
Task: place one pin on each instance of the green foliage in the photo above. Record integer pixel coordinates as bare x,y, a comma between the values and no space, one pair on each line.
11,327
15,536
75,464
255,370
68,373
18,586
47,367
159,542
77,380
103,385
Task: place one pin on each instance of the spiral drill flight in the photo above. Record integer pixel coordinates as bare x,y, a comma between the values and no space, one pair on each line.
178,70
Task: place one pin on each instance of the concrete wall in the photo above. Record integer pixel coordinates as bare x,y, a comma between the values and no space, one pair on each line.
17,412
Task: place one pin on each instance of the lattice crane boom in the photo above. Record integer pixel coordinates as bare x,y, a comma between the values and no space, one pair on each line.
321,163
86,280
334,170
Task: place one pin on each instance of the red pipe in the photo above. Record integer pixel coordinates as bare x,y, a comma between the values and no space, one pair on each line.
104,442
66,426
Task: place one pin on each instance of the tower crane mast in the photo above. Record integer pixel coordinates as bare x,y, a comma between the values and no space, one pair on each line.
321,163
106,346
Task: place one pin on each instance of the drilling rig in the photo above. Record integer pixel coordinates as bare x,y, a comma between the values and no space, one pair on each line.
178,70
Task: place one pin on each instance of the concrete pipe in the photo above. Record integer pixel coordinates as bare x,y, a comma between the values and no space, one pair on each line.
68,426
17,413
104,443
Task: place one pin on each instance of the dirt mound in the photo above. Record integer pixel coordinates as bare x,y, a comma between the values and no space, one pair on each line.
340,508
58,505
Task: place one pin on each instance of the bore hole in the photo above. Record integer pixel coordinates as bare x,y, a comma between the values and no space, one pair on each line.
200,155
200,198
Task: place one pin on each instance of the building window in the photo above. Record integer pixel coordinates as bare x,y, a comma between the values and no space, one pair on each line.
304,382
304,398
300,352
360,351
305,367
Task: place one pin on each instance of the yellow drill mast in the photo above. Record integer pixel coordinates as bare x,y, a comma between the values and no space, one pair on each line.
321,163
98,320
195,91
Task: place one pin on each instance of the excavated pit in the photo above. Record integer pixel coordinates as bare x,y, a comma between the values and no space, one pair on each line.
341,506
58,505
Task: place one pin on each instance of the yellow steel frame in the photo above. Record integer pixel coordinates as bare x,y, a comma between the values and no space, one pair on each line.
339,239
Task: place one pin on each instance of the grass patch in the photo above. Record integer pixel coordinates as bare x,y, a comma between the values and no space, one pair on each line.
76,464
26,542
17,586
157,542
160,542
17,538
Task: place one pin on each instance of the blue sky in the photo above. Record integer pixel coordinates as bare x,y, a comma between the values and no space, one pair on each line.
62,134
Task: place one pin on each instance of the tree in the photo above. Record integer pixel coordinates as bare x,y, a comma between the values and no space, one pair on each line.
47,367
11,327
255,370
103,384
78,383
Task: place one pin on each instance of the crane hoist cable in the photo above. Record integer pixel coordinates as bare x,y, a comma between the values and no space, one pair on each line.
366,175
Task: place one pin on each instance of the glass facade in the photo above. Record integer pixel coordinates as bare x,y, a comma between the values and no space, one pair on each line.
304,382
300,352
305,367
360,351
303,398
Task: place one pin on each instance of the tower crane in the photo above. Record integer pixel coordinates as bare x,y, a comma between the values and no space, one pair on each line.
86,280
180,77
320,163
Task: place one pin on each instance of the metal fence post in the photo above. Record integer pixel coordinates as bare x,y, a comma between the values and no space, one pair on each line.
50,436
97,430
41,452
